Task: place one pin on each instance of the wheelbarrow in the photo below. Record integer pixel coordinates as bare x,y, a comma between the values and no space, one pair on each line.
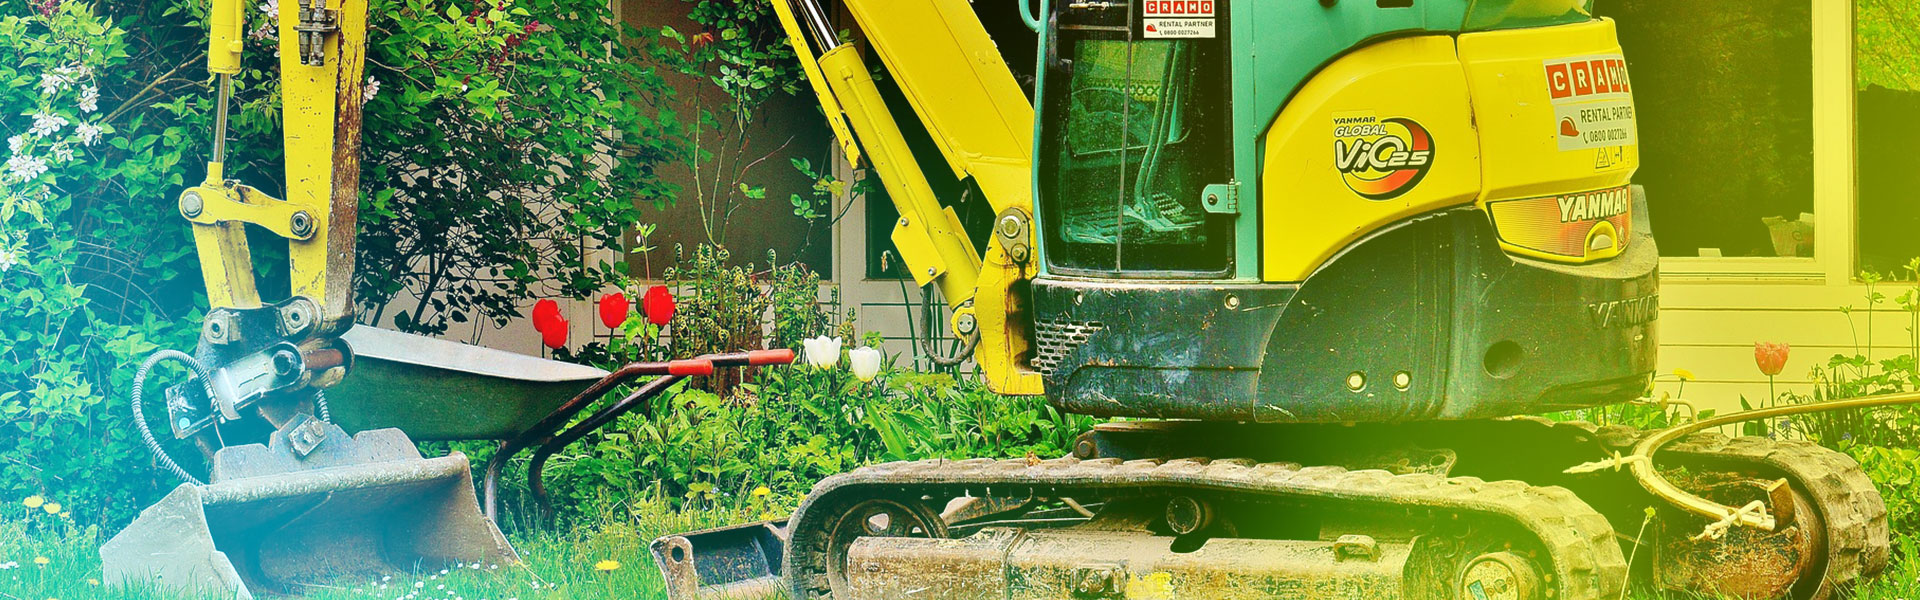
344,492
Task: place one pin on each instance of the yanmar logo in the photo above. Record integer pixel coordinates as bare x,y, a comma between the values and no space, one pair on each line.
1179,8
1595,205
1585,78
1631,312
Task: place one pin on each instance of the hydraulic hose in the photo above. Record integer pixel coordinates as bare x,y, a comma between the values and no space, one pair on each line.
1640,462
140,417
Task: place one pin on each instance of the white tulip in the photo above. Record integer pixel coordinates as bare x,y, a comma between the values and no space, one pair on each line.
865,362
822,352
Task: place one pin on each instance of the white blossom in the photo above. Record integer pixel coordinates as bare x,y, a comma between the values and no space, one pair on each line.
46,125
7,261
26,167
88,132
865,363
822,352
52,83
15,143
62,153
372,89
89,99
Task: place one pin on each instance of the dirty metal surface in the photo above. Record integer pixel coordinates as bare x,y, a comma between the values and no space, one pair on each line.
1852,515
1579,555
273,523
439,390
740,561
1745,562
1023,565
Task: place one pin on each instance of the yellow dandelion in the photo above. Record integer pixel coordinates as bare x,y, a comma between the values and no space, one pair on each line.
42,560
67,514
761,492
92,581
1683,374
607,565
52,508
34,501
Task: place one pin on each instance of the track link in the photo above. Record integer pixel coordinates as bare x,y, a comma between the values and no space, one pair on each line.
1582,558
1851,508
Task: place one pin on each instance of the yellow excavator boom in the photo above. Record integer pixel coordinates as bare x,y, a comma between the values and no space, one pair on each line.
983,126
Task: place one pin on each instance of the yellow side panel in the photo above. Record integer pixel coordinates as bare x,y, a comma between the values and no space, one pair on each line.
1379,135
949,69
1514,104
1557,131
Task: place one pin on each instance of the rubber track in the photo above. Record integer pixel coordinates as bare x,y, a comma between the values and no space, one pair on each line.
1586,562
1850,506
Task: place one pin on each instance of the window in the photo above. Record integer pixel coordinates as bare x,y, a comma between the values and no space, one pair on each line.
1724,92
1887,125
1133,130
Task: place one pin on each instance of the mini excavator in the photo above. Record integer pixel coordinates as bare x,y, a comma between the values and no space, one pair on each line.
1321,255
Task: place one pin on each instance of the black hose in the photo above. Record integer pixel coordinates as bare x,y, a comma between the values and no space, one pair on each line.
140,417
926,343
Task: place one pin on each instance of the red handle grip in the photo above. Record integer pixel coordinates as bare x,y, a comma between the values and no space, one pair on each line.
690,367
782,356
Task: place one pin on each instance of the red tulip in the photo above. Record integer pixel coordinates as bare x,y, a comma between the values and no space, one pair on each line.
555,335
658,304
613,309
1771,357
545,313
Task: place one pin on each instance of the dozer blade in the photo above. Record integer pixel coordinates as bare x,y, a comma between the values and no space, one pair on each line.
312,507
739,562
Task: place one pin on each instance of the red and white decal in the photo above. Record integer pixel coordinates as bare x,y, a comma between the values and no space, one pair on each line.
1179,8
1592,102
1588,78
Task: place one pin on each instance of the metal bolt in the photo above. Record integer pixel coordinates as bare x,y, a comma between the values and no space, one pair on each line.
1213,199
191,204
1009,226
931,271
966,323
1019,253
903,221
1403,380
184,423
1233,302
1356,381
302,223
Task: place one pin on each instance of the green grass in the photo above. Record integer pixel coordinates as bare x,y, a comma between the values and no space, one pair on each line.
557,567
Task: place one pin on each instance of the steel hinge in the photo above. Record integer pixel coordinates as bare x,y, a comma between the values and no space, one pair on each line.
1221,198
316,22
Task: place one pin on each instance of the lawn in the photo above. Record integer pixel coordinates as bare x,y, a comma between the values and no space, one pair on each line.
558,566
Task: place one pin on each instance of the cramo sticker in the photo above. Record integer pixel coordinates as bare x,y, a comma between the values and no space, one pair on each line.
1178,8
1380,159
1592,102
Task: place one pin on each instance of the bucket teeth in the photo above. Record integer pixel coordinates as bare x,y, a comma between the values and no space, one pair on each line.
273,522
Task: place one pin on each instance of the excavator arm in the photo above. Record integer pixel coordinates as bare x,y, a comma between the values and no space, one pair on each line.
982,125
255,350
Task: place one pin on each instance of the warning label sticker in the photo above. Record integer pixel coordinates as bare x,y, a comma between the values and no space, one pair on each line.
1178,28
1595,124
1592,102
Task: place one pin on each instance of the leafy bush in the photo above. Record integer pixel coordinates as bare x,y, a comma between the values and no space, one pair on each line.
504,143
85,188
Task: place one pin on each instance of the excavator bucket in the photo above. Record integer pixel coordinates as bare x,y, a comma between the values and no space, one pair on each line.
313,505
739,562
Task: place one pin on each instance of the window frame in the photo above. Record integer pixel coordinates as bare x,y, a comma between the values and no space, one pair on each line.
1835,195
